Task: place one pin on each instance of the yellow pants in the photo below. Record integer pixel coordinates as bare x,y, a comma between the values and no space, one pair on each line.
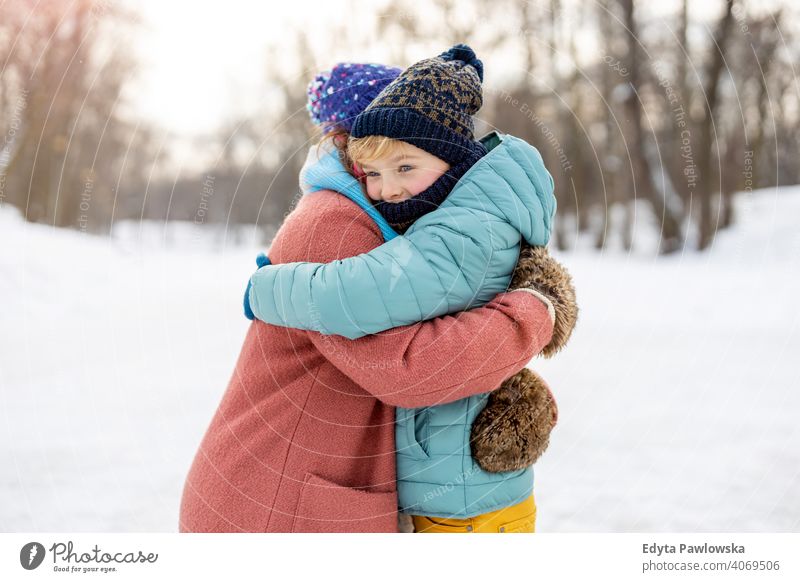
520,518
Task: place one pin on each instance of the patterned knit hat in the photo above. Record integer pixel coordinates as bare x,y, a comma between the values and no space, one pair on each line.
335,97
430,105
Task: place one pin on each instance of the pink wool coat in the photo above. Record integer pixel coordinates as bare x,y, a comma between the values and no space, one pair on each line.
303,440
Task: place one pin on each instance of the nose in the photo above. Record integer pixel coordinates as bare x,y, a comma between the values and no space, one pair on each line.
392,190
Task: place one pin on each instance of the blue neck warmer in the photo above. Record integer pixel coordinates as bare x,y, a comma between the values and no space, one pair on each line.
323,170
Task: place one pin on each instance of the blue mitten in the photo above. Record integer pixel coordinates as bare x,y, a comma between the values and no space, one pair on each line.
261,261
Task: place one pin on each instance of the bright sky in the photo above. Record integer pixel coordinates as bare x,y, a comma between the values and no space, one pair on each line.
201,60
204,61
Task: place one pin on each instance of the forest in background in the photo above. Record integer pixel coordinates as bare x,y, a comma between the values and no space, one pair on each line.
676,113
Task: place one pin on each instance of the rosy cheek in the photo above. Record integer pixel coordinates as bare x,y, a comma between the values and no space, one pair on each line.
424,181
416,186
373,190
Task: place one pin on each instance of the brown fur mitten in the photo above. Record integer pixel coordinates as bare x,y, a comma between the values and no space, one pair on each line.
514,429
537,270
405,523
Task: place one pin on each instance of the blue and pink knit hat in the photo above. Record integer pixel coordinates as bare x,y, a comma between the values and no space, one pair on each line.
337,96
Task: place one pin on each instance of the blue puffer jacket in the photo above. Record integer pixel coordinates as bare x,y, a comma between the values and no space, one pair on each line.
455,258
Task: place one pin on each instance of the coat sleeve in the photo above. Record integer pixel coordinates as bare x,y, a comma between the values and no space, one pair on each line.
447,358
431,362
429,272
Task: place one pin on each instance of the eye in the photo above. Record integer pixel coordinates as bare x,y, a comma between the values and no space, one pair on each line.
406,168
372,174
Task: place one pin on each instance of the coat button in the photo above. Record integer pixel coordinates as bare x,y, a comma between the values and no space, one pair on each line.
469,528
502,529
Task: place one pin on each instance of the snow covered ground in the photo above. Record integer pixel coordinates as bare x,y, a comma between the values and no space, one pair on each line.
678,394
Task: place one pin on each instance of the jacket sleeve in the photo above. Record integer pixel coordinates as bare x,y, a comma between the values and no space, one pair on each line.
447,358
431,271
430,362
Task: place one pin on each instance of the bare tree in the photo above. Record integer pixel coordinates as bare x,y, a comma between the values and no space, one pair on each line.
635,121
708,185
641,176
64,165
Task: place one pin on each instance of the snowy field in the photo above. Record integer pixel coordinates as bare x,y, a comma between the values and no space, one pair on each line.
679,394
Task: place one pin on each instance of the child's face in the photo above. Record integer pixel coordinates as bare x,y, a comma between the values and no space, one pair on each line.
403,174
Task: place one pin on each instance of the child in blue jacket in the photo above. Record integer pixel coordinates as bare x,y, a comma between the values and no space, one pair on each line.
465,208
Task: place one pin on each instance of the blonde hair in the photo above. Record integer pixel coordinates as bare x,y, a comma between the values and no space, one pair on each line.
372,147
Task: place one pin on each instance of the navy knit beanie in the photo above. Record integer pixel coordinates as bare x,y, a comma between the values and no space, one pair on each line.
335,97
430,105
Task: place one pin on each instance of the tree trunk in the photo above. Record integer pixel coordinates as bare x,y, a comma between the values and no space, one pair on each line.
707,186
641,173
